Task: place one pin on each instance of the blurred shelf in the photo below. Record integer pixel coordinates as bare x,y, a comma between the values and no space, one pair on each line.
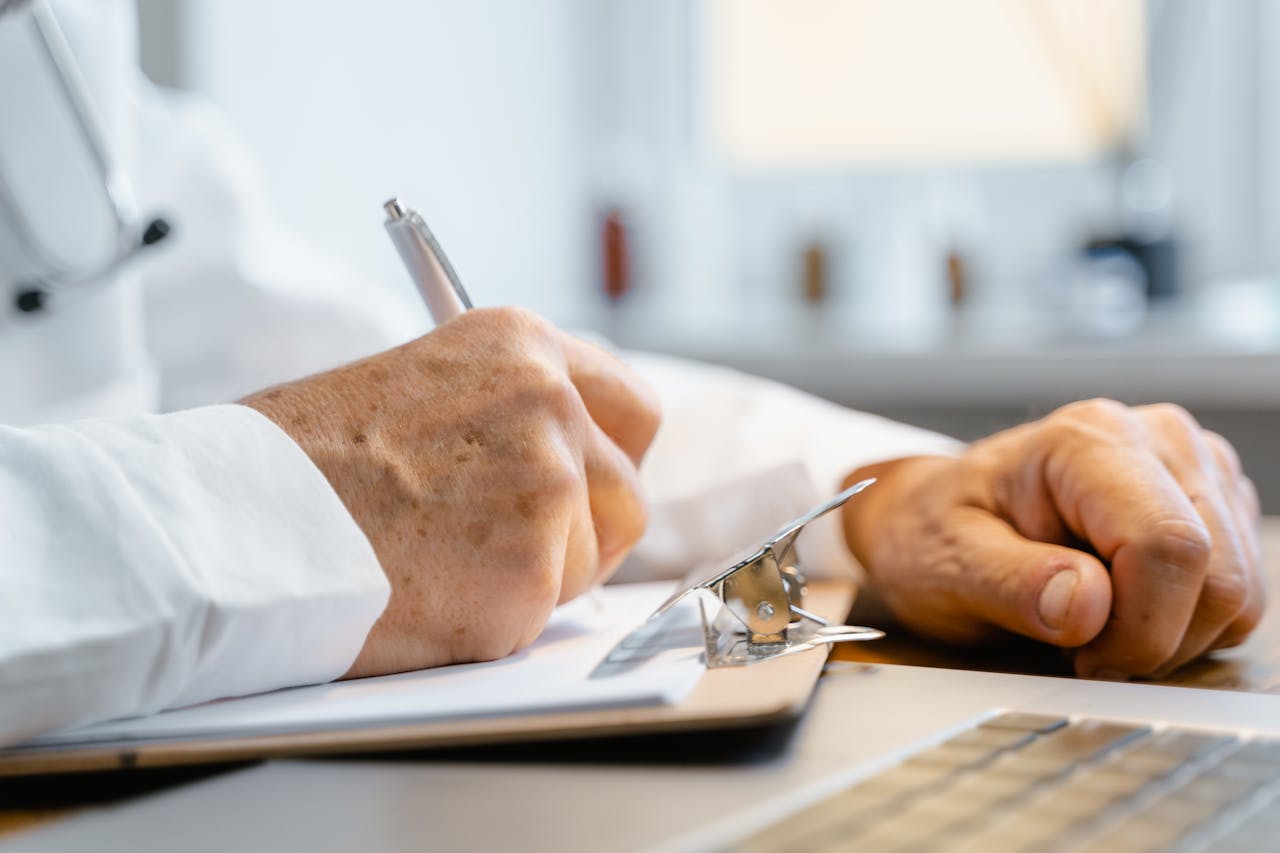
1221,352
958,378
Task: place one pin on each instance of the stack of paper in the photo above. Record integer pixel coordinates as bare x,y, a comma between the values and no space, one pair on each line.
551,675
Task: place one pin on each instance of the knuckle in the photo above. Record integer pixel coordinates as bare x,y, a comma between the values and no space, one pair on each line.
512,320
529,588
1171,417
1150,655
1180,542
1070,433
1248,619
1097,410
1224,453
544,479
1245,623
557,481
558,397
546,395
1225,596
500,340
648,416
623,529
1250,491
536,581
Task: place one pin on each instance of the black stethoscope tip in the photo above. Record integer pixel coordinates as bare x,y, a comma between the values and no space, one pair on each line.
30,301
156,231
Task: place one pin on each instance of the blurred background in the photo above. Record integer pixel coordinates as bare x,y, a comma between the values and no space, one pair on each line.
957,214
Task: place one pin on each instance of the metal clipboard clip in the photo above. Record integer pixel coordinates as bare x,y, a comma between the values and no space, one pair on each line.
757,608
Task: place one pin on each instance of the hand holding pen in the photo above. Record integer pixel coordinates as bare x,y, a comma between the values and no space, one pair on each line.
491,464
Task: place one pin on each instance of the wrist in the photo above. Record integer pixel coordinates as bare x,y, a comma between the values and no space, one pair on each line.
865,520
307,423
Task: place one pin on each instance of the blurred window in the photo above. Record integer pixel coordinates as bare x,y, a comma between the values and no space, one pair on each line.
846,83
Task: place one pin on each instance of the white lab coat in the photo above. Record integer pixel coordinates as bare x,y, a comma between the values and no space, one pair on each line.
150,561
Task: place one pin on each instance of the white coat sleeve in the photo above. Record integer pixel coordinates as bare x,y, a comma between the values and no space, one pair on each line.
155,561
737,456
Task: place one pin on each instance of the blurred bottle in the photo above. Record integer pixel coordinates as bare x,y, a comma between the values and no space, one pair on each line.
814,272
957,277
615,255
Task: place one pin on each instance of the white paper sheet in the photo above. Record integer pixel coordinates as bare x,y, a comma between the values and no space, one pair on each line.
549,676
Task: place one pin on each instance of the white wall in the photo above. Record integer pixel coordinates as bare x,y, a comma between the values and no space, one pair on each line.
467,110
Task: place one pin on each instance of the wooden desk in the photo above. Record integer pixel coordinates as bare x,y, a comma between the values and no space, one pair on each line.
1255,667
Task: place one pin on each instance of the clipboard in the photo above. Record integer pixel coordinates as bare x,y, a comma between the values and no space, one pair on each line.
745,697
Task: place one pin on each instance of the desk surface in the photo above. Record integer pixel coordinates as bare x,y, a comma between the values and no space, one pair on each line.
1254,667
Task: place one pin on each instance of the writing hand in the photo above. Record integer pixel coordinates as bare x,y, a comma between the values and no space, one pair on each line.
492,464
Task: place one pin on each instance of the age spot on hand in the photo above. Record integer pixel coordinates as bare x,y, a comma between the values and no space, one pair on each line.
478,532
526,504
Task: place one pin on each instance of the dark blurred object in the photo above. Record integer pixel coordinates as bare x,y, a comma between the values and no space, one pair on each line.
615,253
1157,257
814,273
957,278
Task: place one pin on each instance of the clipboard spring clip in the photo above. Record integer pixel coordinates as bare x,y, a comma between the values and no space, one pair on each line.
758,602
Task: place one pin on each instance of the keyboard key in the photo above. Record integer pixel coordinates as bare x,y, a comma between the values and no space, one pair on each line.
905,779
1184,745
1077,803
975,796
1056,753
1023,722
1262,750
1214,786
843,814
1258,831
1017,831
1137,835
1241,767
953,756
1108,782
1084,741
1151,765
902,830
1180,808
1030,769
992,738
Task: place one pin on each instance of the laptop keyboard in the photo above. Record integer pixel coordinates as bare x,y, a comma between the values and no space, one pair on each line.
1031,782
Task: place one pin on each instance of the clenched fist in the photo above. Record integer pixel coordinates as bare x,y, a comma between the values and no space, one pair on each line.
1127,534
492,464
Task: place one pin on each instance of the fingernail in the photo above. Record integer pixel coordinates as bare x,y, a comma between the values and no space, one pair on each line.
1055,598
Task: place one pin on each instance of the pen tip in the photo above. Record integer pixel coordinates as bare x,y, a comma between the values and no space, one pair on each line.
393,207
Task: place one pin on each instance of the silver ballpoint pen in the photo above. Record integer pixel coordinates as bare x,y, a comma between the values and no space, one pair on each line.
428,266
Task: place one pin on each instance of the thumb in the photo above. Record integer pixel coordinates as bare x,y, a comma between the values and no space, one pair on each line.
1047,592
